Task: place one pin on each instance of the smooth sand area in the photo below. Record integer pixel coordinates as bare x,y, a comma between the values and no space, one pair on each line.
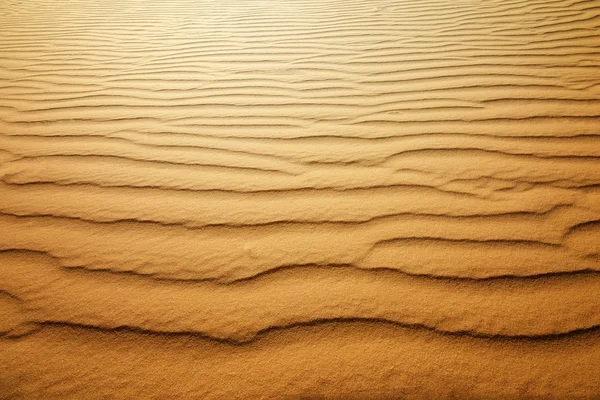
299,199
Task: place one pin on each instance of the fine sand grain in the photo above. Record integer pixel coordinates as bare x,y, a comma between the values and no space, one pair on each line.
299,199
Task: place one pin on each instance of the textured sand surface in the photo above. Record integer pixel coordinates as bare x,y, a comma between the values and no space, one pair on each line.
300,199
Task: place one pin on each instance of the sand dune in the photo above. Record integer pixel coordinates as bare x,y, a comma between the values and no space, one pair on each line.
313,199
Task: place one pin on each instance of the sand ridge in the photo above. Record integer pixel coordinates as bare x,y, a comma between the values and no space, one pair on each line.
309,199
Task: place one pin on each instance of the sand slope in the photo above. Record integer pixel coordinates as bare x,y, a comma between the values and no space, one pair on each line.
300,199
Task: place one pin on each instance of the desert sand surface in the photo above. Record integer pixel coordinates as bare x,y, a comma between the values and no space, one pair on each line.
299,199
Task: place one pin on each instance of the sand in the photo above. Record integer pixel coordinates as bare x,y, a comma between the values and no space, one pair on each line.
300,199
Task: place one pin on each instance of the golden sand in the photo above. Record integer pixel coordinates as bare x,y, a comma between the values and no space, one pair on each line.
299,199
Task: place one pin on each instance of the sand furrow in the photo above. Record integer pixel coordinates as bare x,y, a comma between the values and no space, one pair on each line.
492,308
319,361
235,252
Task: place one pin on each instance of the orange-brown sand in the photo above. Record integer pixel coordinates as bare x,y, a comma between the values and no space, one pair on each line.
299,199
